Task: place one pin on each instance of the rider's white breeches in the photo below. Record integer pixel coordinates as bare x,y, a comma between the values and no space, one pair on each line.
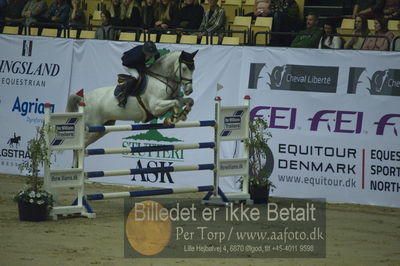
133,72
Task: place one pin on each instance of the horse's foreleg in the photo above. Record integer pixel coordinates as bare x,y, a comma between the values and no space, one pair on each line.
160,107
187,103
180,114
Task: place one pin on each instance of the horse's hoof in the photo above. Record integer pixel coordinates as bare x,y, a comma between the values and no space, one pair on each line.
166,122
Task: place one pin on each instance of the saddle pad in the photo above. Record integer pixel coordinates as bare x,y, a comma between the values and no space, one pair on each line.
137,90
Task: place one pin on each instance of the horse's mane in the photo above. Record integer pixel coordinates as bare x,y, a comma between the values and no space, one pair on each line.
166,56
160,61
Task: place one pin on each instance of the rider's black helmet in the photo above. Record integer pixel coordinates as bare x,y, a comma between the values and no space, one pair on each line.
149,48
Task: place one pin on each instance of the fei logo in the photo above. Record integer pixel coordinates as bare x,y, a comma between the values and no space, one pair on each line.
382,82
384,121
296,77
278,117
338,121
27,46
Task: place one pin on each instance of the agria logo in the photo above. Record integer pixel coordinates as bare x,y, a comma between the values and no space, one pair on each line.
164,158
381,82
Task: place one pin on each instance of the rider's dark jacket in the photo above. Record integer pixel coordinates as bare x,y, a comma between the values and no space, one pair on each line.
135,58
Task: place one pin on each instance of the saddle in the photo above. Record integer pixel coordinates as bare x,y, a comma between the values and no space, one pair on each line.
131,86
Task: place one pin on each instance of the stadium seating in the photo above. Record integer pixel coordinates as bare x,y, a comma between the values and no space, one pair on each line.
188,39
241,23
262,24
10,30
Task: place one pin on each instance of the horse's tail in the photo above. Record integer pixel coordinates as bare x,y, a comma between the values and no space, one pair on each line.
72,104
73,101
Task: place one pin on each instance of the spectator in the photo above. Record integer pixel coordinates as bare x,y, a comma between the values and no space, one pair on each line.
77,16
286,18
33,10
115,11
361,30
13,12
191,15
58,12
3,4
167,15
308,38
106,30
261,9
149,14
213,19
391,10
381,29
328,41
130,14
368,8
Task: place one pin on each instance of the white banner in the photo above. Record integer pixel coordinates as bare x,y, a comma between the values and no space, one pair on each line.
33,71
334,114
335,122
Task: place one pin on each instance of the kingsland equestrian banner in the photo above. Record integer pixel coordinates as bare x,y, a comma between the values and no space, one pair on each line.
334,114
33,71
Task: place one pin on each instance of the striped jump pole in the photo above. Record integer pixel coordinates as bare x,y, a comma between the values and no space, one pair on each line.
230,123
200,145
142,193
205,123
138,171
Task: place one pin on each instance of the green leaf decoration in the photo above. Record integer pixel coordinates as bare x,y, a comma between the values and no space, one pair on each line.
153,135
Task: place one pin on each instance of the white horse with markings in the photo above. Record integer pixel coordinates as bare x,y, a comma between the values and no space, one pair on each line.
167,79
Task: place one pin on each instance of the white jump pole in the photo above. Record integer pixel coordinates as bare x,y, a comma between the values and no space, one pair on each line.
67,133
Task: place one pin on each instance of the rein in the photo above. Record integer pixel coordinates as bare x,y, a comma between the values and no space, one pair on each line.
161,77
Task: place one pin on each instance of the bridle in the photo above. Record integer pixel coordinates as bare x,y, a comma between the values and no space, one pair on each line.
181,80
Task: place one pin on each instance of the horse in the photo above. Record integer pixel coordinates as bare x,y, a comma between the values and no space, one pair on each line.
167,78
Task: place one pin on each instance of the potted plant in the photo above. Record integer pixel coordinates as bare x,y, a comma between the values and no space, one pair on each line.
257,145
34,203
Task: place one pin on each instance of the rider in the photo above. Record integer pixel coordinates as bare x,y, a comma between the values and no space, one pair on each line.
134,61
